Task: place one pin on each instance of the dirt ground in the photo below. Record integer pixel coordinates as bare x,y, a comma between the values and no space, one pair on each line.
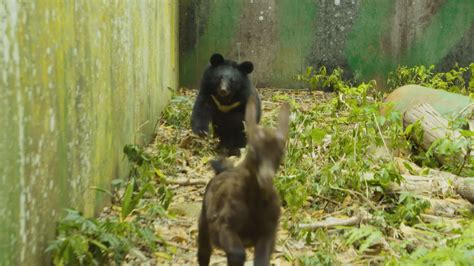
189,171
180,232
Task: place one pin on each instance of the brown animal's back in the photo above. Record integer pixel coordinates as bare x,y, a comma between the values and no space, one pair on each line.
234,199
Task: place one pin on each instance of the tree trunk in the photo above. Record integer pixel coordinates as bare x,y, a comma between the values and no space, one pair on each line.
434,127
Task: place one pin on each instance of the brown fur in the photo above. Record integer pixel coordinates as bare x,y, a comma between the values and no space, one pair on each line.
241,207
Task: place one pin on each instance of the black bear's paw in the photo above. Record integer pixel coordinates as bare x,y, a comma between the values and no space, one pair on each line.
225,151
201,131
222,151
234,152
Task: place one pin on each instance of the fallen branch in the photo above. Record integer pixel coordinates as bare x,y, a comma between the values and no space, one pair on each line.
186,182
447,193
330,222
431,186
436,183
435,127
454,223
447,207
329,200
465,188
357,194
177,246
439,192
417,238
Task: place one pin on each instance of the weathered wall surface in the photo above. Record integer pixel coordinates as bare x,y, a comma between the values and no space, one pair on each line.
78,80
368,38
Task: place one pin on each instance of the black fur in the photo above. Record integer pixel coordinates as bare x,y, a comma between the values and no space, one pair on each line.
227,126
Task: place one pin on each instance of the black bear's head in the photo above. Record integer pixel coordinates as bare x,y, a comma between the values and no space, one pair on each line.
226,77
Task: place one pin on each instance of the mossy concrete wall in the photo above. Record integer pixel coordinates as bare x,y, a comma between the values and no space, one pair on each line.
367,38
78,80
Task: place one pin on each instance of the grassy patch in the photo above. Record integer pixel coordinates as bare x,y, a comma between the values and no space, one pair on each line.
342,160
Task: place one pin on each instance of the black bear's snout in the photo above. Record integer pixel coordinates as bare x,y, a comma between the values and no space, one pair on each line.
223,89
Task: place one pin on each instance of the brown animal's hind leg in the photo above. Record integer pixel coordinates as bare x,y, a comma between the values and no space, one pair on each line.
233,247
263,250
204,244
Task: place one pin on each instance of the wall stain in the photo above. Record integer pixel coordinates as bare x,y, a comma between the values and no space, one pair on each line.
367,38
77,80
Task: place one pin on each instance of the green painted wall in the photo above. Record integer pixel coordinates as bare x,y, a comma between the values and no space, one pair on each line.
220,29
78,80
368,38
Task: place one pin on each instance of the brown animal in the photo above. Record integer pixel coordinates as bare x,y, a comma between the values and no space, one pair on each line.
241,207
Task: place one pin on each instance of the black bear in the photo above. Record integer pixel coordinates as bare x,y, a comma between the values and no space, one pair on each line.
225,89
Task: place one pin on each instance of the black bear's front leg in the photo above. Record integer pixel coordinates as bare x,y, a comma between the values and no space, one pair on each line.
234,144
231,139
201,116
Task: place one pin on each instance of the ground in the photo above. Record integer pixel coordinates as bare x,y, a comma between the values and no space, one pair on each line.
346,186
181,230
356,187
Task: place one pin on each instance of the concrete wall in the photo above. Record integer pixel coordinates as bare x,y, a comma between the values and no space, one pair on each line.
368,38
78,80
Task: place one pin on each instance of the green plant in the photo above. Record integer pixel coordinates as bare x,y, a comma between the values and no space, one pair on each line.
146,176
408,209
318,79
453,80
323,253
341,156
450,150
173,115
85,241
326,159
318,258
458,250
363,237
98,241
444,153
342,153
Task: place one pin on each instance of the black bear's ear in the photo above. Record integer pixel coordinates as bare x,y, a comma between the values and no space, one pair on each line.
216,59
246,67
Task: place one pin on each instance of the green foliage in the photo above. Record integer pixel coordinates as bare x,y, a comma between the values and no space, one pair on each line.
89,241
332,143
443,153
384,175
340,158
317,258
363,237
145,174
103,240
449,150
319,79
135,154
173,115
407,209
414,132
471,80
454,80
323,254
456,251
76,242
342,151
